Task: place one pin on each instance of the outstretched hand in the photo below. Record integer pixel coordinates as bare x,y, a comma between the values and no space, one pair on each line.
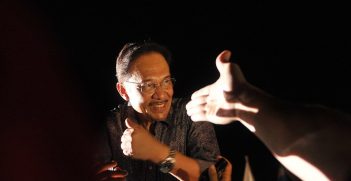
218,102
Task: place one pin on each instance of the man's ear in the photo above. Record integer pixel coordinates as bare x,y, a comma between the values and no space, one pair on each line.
122,91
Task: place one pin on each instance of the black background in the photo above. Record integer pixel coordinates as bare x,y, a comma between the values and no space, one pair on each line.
297,51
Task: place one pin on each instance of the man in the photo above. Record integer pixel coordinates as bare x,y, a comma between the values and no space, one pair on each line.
309,140
150,137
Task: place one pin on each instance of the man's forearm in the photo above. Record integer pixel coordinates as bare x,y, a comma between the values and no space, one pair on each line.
313,133
185,168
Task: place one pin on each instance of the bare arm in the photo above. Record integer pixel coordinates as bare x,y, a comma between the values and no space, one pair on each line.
306,139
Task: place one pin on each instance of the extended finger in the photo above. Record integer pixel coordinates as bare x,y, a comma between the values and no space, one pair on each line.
225,68
212,173
227,174
196,110
196,101
129,123
201,92
199,117
107,166
119,173
227,113
244,115
111,175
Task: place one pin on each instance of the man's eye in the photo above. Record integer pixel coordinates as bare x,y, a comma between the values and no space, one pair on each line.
167,82
149,85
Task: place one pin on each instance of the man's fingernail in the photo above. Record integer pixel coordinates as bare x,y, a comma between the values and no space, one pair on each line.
226,56
122,172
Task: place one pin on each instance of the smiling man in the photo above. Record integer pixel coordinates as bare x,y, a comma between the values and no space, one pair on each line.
150,136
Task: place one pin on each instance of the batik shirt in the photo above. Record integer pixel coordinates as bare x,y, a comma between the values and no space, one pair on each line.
194,139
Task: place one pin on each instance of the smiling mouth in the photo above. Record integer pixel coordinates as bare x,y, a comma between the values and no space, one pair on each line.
159,104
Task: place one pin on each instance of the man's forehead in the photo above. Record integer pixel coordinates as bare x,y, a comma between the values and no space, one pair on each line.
149,66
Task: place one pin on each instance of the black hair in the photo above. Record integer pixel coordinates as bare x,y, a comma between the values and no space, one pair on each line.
131,51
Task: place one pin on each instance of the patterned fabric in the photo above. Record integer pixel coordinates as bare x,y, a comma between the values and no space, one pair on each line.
194,139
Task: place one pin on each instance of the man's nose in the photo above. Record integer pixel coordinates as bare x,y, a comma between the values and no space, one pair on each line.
160,92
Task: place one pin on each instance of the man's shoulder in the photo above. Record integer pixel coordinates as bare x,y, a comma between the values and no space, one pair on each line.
113,115
120,108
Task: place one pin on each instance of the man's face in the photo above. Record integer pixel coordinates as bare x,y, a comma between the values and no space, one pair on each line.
150,69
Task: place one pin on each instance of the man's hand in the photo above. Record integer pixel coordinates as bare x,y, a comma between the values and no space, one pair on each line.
226,175
111,172
142,144
218,102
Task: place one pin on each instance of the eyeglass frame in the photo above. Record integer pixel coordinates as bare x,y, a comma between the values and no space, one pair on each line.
153,84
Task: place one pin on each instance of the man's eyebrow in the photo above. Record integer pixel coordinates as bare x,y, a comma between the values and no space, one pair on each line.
153,80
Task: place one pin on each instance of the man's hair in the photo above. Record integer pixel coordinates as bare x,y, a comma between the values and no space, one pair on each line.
131,51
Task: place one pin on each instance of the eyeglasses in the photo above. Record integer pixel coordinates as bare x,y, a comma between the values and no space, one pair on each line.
149,87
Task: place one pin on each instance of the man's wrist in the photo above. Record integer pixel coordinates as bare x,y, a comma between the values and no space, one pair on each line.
159,152
167,164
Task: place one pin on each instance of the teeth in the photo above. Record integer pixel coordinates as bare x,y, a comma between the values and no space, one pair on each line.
158,104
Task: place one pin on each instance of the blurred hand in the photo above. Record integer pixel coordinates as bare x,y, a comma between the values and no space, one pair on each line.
143,145
110,172
226,175
218,102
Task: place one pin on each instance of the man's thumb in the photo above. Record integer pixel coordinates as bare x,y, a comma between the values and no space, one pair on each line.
222,59
225,68
130,123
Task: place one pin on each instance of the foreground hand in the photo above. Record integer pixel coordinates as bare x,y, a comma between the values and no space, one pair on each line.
111,172
218,102
226,175
141,144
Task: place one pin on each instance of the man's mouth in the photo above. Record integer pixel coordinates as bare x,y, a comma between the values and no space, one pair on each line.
159,104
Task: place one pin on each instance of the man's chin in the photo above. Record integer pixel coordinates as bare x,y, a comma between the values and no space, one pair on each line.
159,117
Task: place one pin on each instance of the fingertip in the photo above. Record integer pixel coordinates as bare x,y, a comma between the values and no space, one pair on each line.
222,60
224,56
119,173
193,118
212,168
212,173
114,162
198,117
188,112
187,105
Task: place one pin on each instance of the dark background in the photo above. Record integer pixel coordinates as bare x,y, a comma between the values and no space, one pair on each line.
298,51
295,50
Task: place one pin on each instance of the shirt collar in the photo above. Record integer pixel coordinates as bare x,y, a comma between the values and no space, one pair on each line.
169,121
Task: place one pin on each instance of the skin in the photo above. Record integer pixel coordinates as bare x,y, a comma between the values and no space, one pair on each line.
293,132
105,173
227,174
152,107
156,106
